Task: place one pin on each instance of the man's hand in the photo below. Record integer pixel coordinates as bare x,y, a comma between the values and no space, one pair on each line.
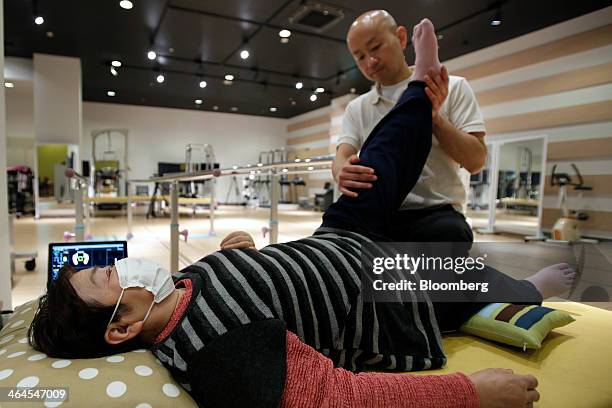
352,176
436,89
238,239
501,388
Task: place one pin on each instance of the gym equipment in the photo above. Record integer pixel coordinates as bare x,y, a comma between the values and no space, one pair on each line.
323,200
567,227
297,166
108,170
20,190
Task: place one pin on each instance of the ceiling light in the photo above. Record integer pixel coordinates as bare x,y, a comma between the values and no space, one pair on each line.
273,109
111,93
293,103
229,77
151,55
298,85
284,40
114,71
285,170
319,90
497,19
234,109
353,90
126,4
39,20
203,84
198,101
310,168
50,34
160,78
244,54
116,63
284,33
215,107
9,85
313,98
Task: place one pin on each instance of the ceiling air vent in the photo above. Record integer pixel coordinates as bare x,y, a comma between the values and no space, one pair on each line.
316,17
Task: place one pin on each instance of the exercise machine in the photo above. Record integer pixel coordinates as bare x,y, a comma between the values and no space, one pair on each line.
567,227
110,167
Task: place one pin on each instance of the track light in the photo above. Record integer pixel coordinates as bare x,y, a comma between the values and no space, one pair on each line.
284,33
111,93
113,71
319,90
160,78
299,85
273,109
39,20
151,55
116,63
244,54
229,77
126,4
497,19
313,98
203,84
198,101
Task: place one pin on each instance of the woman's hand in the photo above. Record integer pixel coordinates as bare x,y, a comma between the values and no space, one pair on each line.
238,239
501,388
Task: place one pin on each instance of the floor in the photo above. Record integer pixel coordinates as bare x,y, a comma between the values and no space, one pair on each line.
151,239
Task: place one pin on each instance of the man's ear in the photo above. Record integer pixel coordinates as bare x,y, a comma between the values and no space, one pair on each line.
118,332
402,35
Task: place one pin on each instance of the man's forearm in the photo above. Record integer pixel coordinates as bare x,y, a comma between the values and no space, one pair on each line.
469,150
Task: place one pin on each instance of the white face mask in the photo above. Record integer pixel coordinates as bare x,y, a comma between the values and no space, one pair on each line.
143,273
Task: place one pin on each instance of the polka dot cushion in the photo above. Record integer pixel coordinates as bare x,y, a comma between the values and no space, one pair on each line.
135,379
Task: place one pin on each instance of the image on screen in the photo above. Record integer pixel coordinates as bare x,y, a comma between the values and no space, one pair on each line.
84,255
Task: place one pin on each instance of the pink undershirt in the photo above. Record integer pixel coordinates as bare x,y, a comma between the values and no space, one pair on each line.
179,311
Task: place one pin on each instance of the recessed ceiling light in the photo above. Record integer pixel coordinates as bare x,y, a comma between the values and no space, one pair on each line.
203,84
229,77
272,109
298,85
39,20
353,90
234,109
244,54
116,63
111,93
319,90
114,71
126,4
50,34
9,85
313,98
284,33
284,40
215,107
198,101
160,78
151,55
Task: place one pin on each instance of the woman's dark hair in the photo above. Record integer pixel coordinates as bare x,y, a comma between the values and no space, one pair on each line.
65,326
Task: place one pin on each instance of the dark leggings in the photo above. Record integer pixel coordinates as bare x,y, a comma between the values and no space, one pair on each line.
397,149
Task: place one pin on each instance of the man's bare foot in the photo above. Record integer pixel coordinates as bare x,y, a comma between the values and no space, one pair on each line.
425,48
553,280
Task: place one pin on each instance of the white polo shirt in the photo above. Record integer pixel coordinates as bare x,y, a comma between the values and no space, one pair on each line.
440,182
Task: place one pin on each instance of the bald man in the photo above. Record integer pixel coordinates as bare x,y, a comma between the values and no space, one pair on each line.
431,212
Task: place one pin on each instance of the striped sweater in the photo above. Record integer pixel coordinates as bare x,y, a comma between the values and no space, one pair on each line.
312,285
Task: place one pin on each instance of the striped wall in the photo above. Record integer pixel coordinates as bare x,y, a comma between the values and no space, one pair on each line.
314,134
555,82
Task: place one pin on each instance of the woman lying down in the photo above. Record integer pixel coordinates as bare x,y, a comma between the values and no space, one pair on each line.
287,325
